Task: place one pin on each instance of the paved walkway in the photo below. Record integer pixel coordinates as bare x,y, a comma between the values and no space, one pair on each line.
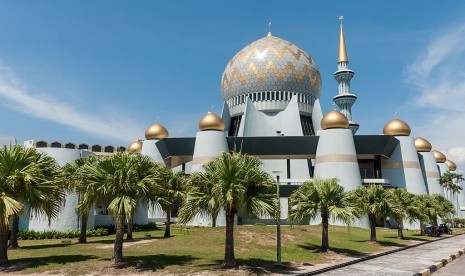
406,262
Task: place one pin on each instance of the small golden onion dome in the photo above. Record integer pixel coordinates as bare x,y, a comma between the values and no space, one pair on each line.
211,121
440,157
422,145
334,119
135,147
397,127
156,131
452,166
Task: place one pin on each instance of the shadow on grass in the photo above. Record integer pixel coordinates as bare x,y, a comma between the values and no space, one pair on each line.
42,246
33,262
345,251
254,266
154,262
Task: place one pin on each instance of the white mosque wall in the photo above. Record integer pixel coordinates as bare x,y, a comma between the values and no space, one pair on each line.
255,123
149,148
208,145
317,115
403,169
226,116
443,168
336,157
68,218
430,172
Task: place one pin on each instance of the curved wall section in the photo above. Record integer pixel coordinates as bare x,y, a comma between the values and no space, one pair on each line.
68,218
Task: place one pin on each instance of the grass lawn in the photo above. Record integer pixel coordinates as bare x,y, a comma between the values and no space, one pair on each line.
197,250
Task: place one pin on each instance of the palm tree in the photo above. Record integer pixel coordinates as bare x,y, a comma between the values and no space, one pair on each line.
446,180
375,202
201,198
238,184
9,207
321,197
28,176
123,179
76,181
171,186
407,210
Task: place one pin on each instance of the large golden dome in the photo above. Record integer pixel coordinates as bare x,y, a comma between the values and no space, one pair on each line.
211,121
452,166
135,147
397,127
440,157
422,145
334,119
156,131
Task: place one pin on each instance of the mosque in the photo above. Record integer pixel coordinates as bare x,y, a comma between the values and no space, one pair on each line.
271,91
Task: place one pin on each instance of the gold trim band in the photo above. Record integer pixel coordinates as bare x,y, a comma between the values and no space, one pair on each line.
200,160
432,174
350,158
401,165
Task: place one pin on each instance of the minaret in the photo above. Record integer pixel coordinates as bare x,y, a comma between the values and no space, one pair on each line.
343,75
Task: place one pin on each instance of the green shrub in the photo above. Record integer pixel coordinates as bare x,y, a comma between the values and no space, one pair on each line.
52,234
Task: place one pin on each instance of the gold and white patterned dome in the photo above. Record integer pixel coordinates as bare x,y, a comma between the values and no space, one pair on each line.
271,64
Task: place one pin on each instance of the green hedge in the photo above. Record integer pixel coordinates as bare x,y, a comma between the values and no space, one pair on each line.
40,235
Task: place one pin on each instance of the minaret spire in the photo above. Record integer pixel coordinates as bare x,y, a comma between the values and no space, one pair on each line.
343,75
342,45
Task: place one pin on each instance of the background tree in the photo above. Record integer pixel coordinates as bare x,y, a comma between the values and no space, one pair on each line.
407,210
202,202
9,207
374,201
76,181
324,198
237,183
123,179
171,191
28,176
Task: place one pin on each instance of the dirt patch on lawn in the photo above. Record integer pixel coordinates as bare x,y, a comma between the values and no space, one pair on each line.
126,244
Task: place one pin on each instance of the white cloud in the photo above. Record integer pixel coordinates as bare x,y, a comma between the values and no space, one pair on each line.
15,96
438,76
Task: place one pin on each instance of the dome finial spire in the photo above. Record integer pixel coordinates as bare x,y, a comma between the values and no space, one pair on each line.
342,45
269,29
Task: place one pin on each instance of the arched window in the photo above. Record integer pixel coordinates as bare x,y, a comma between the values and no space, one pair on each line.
83,147
121,149
109,149
41,144
55,145
97,148
70,146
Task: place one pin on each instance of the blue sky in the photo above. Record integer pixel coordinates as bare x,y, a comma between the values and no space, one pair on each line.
103,71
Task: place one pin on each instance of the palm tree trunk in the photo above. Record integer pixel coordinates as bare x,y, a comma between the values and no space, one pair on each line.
130,228
13,244
372,219
83,234
422,229
324,234
168,224
214,216
229,259
3,246
400,228
118,247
